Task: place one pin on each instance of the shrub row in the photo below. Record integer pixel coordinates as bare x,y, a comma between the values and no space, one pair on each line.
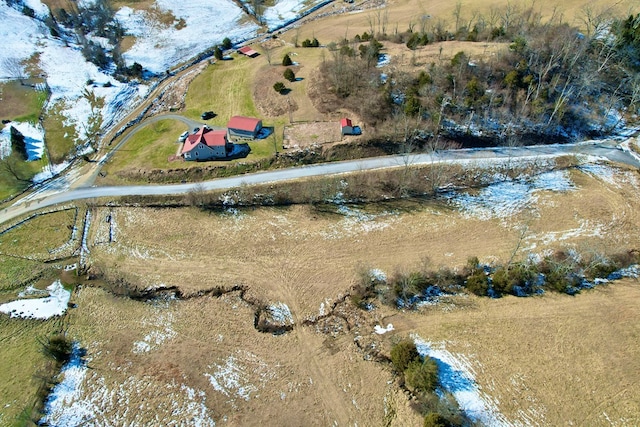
562,271
420,375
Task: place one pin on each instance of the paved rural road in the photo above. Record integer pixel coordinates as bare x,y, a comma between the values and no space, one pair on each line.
603,149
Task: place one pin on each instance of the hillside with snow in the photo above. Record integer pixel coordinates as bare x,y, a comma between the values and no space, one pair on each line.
84,93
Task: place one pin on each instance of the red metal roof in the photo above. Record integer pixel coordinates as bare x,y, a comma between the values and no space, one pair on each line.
249,124
206,136
246,50
345,122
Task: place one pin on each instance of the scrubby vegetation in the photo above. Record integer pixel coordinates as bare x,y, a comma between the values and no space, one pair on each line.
561,271
420,376
84,21
58,348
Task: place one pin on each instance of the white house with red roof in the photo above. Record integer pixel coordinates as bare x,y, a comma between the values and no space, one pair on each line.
207,144
244,127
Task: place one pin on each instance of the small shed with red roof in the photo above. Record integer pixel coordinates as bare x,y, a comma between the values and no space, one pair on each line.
244,127
246,50
346,126
206,144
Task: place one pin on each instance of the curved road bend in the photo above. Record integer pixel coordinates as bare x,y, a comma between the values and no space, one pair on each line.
601,149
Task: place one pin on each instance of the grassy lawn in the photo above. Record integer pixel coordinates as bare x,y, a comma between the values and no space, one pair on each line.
9,184
225,88
148,148
39,236
23,362
20,103
14,271
60,138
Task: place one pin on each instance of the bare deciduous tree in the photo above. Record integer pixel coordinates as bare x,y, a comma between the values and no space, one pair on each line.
14,67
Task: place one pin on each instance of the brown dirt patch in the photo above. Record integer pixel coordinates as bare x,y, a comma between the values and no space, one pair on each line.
173,97
269,102
302,135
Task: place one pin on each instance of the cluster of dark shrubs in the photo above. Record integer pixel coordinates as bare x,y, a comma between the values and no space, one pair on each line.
562,271
420,375
311,43
218,51
57,347
17,142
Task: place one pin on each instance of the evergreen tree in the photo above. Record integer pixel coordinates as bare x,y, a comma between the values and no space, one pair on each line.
279,87
17,142
217,53
289,75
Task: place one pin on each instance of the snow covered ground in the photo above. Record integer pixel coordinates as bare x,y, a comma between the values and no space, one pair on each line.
231,377
39,308
456,377
83,397
198,25
65,70
33,139
507,197
207,22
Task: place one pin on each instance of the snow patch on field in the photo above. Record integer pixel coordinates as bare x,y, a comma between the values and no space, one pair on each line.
63,406
280,313
282,11
39,308
381,331
457,377
33,139
159,47
233,376
378,275
83,397
48,172
356,222
610,175
586,229
161,331
507,197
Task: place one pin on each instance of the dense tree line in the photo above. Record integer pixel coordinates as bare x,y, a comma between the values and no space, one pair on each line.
552,81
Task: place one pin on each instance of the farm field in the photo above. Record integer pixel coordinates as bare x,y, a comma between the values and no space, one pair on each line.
198,356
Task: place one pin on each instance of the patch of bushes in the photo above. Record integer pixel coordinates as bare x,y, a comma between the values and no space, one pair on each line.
433,419
402,354
420,375
562,271
279,87
58,347
311,43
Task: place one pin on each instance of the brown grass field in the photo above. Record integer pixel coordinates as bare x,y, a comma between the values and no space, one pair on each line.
398,14
549,360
